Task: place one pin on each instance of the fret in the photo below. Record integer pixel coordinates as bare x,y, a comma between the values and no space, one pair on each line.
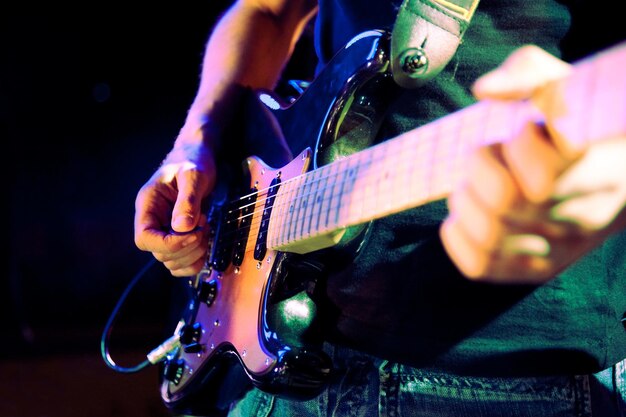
290,209
368,197
355,201
422,163
376,155
408,153
351,195
298,209
304,206
495,129
436,140
421,142
379,176
309,226
467,135
329,203
406,160
402,168
280,216
392,173
464,132
351,206
469,131
440,178
336,198
330,173
320,192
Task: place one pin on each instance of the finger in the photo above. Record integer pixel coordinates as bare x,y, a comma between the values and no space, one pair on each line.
522,73
188,270
605,160
516,261
592,192
480,225
490,181
193,186
468,257
149,228
190,263
157,241
591,212
534,162
519,268
179,246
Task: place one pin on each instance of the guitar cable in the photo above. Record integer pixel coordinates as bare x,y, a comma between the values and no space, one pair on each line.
157,354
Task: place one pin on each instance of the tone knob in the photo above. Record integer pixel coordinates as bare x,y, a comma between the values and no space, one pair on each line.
173,371
190,333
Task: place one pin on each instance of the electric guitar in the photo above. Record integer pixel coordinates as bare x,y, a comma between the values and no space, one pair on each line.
252,314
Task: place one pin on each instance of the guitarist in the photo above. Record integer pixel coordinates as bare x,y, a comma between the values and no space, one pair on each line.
509,297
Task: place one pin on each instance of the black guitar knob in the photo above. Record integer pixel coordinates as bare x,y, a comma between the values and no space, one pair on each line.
190,333
208,292
173,371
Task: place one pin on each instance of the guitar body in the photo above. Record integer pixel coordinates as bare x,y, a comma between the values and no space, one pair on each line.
253,314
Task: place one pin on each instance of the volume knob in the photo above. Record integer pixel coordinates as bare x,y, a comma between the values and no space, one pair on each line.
190,333
173,371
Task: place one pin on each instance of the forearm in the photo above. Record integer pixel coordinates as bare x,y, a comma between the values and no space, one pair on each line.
249,47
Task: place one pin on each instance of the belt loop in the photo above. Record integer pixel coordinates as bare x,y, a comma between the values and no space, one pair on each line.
388,392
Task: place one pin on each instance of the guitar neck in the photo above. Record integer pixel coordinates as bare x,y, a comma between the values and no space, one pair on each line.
422,165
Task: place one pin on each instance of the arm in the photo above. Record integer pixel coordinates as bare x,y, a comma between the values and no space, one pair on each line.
248,47
530,207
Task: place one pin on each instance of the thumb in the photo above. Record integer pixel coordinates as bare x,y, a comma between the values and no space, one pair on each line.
192,188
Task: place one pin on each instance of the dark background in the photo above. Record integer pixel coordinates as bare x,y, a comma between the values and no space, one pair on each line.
90,102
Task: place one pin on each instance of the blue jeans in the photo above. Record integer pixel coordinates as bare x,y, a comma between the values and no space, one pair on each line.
368,387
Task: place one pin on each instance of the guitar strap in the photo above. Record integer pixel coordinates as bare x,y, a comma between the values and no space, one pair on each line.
425,36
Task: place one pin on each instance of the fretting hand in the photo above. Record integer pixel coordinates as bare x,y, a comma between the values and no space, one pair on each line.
528,208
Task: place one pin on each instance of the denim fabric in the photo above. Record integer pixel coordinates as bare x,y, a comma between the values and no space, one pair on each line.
365,386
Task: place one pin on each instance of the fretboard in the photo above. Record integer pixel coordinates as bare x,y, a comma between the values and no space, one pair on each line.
422,165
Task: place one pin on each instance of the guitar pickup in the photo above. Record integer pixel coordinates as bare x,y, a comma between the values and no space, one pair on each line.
246,211
261,241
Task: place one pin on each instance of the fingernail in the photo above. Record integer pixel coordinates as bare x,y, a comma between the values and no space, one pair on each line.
181,222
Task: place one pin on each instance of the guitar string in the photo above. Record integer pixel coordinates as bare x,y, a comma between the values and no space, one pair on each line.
586,70
424,144
520,111
498,120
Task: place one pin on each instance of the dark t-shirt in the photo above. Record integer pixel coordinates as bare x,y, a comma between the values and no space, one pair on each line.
402,298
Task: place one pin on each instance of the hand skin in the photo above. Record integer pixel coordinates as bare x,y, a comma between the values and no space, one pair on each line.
528,208
248,47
